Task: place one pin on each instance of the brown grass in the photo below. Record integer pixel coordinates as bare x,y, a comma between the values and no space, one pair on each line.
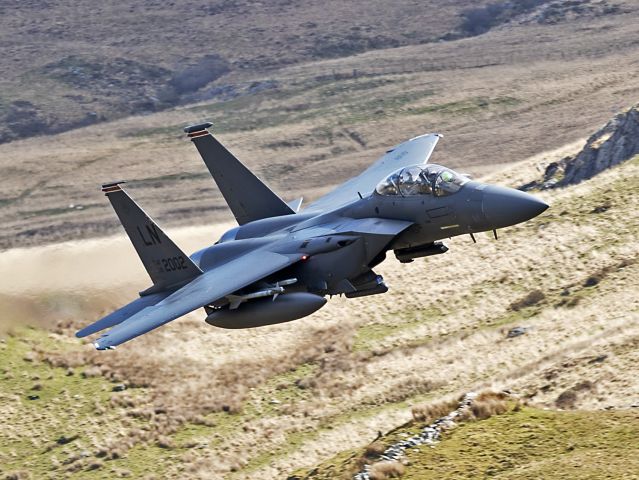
485,405
504,84
429,412
374,449
192,373
490,403
386,470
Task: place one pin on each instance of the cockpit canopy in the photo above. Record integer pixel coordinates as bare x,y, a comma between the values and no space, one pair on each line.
422,180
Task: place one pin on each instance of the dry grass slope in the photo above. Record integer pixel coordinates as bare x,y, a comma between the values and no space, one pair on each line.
506,440
191,401
68,64
200,401
499,97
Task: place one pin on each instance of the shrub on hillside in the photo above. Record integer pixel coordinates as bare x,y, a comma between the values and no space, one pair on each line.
385,470
478,20
566,400
429,412
194,77
533,298
374,449
488,404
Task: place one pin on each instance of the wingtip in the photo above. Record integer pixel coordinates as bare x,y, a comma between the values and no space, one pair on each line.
97,346
425,135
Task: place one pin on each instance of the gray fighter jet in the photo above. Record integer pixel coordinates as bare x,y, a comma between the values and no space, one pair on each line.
281,263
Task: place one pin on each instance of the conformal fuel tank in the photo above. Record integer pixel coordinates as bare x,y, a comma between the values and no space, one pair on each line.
266,311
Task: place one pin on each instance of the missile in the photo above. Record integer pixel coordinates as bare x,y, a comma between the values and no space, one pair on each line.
406,255
274,291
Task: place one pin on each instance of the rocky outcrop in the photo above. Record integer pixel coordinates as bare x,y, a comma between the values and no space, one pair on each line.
615,143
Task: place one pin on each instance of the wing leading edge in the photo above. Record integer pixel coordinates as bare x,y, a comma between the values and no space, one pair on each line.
203,290
412,152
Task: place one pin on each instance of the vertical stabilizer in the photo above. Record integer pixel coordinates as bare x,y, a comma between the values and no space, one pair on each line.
166,264
246,195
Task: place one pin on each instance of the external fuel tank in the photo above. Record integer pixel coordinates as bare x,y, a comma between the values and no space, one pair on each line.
267,311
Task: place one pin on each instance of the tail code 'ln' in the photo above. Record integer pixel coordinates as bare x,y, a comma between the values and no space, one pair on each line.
166,264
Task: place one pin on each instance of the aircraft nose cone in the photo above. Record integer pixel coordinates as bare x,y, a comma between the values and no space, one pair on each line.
504,206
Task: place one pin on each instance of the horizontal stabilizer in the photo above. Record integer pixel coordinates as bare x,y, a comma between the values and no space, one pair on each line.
204,290
246,195
122,314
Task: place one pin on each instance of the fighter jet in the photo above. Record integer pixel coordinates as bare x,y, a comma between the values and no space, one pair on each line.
281,263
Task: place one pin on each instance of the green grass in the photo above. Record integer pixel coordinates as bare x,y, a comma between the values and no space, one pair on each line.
69,405
63,401
166,179
48,212
266,400
346,102
370,335
534,444
354,85
467,106
525,444
6,201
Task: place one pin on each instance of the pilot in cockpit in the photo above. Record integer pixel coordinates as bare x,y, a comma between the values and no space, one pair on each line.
422,180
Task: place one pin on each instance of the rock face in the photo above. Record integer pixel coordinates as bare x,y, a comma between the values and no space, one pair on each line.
615,143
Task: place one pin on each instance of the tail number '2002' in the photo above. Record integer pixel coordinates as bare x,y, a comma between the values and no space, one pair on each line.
172,263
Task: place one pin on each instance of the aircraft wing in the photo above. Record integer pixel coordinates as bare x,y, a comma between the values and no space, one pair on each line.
121,314
203,290
412,152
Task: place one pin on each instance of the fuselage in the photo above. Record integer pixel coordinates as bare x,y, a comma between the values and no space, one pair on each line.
344,245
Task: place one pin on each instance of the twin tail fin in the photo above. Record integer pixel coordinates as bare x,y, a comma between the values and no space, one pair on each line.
246,195
166,264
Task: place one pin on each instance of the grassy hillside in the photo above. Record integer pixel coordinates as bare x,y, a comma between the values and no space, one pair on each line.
524,86
529,443
533,444
67,64
56,419
202,402
307,96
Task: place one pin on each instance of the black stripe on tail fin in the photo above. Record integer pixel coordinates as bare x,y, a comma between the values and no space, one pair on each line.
167,265
246,195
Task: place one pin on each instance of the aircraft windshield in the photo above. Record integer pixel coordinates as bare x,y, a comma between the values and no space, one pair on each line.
421,180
